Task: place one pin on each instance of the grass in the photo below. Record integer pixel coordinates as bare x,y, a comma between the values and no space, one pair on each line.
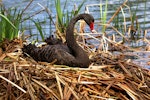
63,16
9,28
11,20
103,15
145,13
11,25
39,28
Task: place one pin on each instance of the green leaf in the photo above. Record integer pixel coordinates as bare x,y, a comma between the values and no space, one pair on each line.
8,20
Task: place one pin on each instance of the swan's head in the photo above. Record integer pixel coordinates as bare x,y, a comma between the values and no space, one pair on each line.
89,19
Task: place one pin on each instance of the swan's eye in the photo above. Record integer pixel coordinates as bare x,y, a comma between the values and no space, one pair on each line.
92,26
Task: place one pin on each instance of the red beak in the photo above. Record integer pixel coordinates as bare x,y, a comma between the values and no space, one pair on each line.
92,26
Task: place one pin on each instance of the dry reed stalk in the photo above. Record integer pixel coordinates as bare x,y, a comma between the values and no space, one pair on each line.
131,93
29,87
1,51
108,77
45,87
124,19
15,71
117,12
4,71
12,83
119,33
58,33
2,56
67,93
125,70
72,90
59,85
145,33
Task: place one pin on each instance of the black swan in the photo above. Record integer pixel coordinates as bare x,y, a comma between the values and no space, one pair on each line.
70,54
53,41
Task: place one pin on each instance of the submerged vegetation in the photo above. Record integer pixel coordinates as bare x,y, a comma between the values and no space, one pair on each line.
112,74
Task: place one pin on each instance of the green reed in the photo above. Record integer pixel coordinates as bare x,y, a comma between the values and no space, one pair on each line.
9,23
63,17
145,13
103,15
39,28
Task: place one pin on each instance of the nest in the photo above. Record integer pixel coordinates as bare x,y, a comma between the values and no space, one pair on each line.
108,77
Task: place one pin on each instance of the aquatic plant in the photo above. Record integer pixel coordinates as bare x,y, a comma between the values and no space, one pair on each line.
103,15
9,23
11,20
39,28
63,16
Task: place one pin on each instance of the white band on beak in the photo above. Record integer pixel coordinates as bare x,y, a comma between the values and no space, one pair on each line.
94,31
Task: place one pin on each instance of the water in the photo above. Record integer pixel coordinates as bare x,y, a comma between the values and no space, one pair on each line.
141,8
142,12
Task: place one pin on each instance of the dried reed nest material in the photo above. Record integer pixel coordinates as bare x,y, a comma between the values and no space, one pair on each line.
108,78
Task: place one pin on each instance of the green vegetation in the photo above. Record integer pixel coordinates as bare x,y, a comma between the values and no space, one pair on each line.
11,19
63,16
39,28
9,23
103,15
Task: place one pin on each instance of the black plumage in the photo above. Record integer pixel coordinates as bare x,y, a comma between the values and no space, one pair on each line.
52,41
70,54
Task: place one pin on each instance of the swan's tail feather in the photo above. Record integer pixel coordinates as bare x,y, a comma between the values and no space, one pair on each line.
37,53
53,41
28,48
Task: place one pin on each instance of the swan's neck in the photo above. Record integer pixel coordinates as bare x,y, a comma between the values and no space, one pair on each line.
70,34
70,40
